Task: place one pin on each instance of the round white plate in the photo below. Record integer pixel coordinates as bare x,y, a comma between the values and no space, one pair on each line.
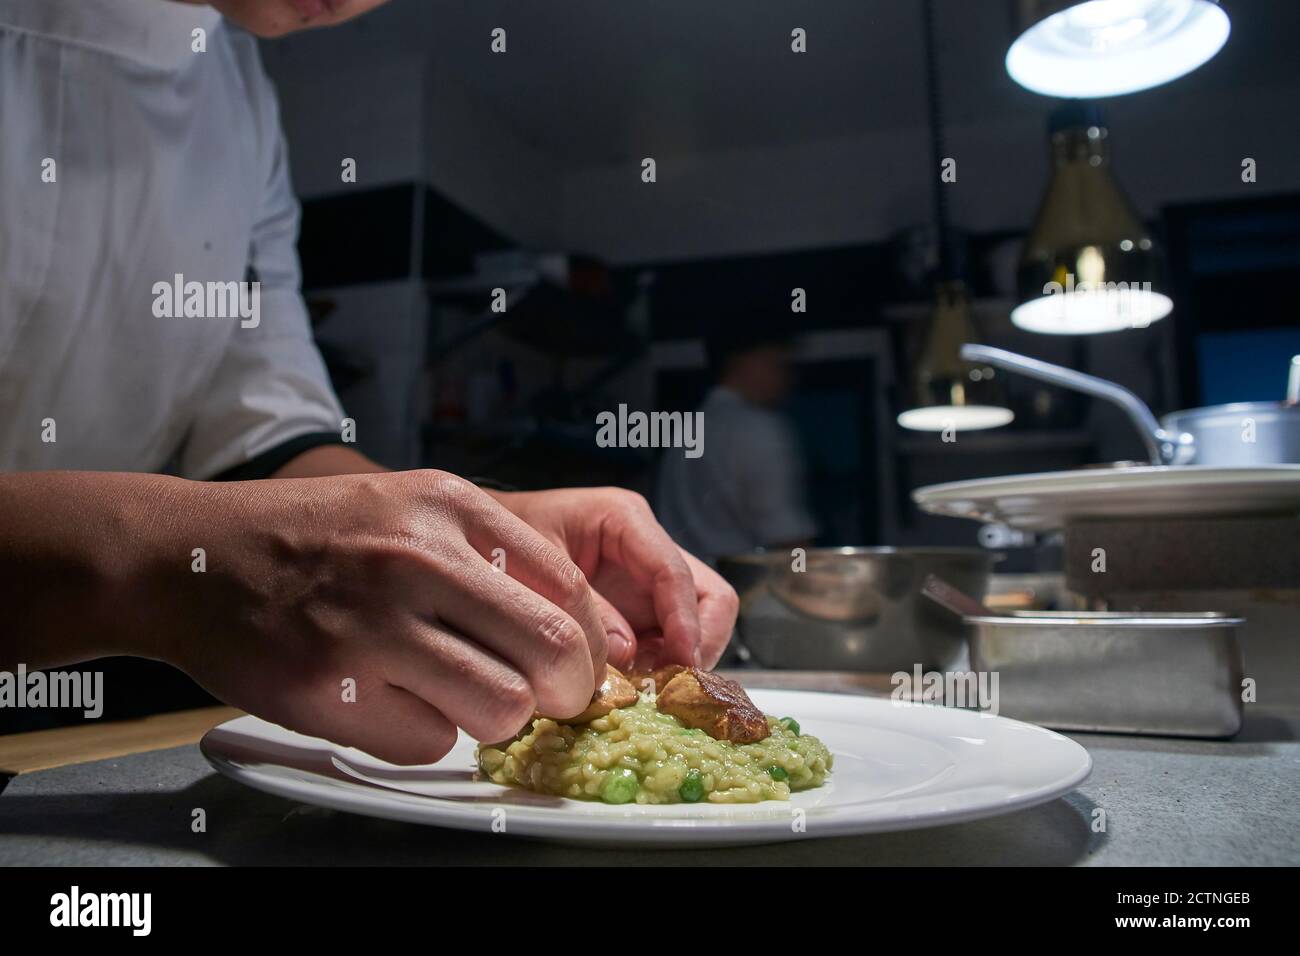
896,767
1052,499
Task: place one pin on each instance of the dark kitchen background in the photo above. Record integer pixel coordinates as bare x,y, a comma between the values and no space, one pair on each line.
522,170
479,170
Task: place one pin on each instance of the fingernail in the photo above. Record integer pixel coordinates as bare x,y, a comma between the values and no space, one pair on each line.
699,658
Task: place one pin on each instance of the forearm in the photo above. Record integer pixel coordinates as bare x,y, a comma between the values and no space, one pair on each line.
328,460
94,563
78,555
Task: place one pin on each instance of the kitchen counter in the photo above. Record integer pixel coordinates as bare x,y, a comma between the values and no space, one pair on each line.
1167,802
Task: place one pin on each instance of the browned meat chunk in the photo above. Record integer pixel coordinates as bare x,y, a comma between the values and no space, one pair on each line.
661,677
718,706
614,692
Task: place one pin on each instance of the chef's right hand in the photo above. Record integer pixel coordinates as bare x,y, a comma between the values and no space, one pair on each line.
368,610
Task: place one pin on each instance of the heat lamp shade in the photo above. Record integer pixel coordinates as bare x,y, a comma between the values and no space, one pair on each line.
1089,265
1103,48
949,393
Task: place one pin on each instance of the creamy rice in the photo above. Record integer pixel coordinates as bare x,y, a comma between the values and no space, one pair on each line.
639,755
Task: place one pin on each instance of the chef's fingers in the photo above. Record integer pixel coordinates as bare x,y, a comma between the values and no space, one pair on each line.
649,652
390,723
718,607
636,542
619,636
472,686
536,635
510,544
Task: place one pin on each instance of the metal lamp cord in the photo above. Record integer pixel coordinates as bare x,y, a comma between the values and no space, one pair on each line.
935,112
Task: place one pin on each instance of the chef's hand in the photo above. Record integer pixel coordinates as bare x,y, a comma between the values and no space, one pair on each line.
659,604
386,581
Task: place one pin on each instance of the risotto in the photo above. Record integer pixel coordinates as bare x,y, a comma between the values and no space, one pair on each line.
639,755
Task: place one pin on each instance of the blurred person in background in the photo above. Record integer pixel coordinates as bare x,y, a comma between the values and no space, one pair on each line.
746,491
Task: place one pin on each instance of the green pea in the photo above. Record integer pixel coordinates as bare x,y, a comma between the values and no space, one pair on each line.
778,773
692,788
790,724
619,786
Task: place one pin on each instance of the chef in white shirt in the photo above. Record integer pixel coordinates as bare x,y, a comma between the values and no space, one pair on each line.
151,321
747,490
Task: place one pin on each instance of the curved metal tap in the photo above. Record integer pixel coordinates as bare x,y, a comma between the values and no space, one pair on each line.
1164,448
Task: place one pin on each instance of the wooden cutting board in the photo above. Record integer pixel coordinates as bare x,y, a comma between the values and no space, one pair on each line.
43,749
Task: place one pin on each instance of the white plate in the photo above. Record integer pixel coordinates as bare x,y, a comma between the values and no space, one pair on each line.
1052,499
896,767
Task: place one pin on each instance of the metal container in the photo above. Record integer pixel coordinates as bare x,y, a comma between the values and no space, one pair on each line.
855,609
1115,672
1245,433
1242,433
1270,638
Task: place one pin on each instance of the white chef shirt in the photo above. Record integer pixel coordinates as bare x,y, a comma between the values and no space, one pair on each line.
167,161
744,492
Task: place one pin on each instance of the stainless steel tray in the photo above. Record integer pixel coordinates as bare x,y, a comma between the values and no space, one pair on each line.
853,609
1115,672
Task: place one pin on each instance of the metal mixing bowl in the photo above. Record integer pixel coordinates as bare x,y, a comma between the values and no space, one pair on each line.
856,609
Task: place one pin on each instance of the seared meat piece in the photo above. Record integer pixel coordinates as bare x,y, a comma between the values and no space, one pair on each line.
614,692
660,677
718,706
